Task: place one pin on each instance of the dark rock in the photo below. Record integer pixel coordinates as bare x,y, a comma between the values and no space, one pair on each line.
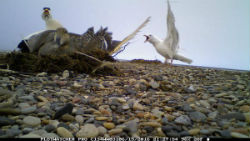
237,116
166,128
131,127
172,134
183,119
164,120
13,132
158,77
2,133
27,130
184,133
187,108
130,91
149,129
6,121
90,120
66,109
50,128
63,125
197,116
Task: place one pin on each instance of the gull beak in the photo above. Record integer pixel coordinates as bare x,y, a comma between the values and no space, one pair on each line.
147,37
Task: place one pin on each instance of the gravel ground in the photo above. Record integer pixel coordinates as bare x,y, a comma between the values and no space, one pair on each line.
147,100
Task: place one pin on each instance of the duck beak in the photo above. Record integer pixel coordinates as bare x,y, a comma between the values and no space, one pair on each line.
147,37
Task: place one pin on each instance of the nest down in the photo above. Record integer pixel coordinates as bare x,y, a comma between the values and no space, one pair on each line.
32,63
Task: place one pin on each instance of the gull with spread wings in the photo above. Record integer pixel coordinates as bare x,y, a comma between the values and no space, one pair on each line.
168,47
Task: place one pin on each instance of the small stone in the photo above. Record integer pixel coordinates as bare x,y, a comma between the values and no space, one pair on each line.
39,132
109,125
238,135
31,121
101,118
204,131
6,121
213,115
41,74
131,126
42,99
65,74
183,119
168,109
187,108
247,117
245,108
194,131
154,84
66,109
204,103
79,119
237,116
30,135
102,130
197,116
115,131
151,123
68,117
61,131
191,100
191,89
28,110
64,125
49,128
138,106
54,123
88,131
50,135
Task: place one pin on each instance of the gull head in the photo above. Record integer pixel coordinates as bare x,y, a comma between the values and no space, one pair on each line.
46,13
151,38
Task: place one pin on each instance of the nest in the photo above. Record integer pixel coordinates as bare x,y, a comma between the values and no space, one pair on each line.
32,63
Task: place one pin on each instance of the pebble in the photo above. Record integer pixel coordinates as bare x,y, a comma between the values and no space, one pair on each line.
88,131
50,128
238,135
102,131
32,121
138,106
237,116
194,131
6,121
29,110
30,135
154,84
183,119
150,123
50,135
109,125
61,131
115,131
66,109
68,117
79,119
197,116
131,126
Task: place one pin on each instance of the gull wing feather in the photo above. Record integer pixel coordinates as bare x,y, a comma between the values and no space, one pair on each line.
172,39
129,37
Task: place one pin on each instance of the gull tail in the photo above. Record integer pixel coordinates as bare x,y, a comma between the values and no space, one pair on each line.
183,59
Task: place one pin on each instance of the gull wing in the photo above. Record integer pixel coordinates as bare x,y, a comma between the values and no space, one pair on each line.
129,37
172,39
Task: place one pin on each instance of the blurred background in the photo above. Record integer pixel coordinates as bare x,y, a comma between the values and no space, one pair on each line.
213,33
